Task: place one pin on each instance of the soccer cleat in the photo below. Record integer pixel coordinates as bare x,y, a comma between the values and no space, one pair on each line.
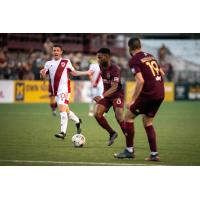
78,126
153,158
113,136
54,113
124,154
61,135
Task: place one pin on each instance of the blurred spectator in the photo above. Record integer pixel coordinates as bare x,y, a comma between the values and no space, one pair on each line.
3,63
48,45
162,52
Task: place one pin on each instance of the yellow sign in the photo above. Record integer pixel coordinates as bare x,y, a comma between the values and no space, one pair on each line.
35,91
169,91
32,91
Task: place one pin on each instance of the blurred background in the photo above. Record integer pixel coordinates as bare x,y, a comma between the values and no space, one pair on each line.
22,55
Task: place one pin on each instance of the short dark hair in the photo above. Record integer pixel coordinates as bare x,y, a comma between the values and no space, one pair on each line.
134,43
58,45
104,51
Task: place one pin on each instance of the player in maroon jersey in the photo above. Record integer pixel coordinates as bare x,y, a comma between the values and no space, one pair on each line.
113,95
146,99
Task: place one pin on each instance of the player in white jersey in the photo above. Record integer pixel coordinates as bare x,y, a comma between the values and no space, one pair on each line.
96,86
58,70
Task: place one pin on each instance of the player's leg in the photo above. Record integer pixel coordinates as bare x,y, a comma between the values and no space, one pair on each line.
72,116
129,136
151,135
101,108
92,103
64,110
149,114
53,105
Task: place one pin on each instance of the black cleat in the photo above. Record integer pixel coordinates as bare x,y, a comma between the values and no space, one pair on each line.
153,158
78,126
112,138
124,154
61,135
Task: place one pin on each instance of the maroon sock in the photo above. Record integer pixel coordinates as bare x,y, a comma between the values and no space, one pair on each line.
122,125
53,106
151,134
104,124
130,132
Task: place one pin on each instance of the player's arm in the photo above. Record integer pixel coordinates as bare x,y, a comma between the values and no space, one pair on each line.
112,90
81,73
162,72
108,93
138,87
43,73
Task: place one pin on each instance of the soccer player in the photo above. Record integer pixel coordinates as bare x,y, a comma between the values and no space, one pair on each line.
96,86
146,100
58,69
113,95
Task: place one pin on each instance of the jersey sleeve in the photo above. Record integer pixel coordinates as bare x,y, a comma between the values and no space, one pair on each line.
116,75
69,66
134,66
91,67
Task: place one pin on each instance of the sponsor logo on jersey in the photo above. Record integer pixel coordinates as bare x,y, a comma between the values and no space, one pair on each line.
119,101
116,79
108,75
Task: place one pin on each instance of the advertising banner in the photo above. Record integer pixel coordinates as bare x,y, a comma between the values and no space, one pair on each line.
31,91
6,91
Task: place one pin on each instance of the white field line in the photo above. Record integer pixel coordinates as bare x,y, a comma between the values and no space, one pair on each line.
75,163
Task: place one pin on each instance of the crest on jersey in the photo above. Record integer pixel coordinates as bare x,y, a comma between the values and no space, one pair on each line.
119,101
62,64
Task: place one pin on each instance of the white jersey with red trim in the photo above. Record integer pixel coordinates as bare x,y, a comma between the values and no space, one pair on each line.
96,76
59,74
97,82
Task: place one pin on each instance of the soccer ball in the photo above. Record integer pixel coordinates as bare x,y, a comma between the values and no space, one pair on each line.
78,140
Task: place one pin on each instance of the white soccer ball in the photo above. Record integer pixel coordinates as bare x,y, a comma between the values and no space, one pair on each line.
78,140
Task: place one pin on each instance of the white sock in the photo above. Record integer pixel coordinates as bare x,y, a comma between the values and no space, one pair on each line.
63,122
92,106
130,149
73,117
154,153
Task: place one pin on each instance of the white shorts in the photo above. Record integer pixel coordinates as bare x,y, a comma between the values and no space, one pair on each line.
63,98
96,91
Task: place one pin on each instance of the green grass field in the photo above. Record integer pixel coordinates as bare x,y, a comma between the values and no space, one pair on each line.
27,137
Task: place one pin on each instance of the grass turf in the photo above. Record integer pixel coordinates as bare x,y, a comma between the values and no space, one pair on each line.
27,137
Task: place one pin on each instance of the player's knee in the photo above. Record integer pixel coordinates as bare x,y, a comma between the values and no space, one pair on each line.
147,122
98,114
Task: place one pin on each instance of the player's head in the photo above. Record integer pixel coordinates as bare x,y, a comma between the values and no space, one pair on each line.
57,51
134,45
103,56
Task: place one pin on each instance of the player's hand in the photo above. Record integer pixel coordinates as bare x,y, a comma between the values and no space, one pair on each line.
42,73
90,72
97,98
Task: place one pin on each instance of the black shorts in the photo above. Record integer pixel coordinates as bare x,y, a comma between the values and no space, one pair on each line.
145,106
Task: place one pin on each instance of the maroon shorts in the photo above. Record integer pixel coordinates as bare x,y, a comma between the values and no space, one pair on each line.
145,106
116,102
